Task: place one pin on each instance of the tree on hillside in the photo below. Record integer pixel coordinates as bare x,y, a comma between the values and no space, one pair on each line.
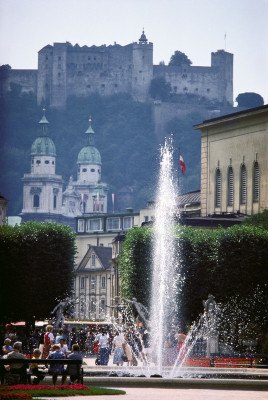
178,59
249,100
159,88
37,261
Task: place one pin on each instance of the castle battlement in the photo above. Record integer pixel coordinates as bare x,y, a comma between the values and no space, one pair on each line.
71,70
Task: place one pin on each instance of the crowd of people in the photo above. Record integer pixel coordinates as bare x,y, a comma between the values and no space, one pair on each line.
107,344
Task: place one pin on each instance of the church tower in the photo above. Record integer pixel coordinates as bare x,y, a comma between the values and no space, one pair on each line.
87,194
42,188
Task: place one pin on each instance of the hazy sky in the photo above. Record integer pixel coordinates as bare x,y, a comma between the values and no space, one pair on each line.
195,27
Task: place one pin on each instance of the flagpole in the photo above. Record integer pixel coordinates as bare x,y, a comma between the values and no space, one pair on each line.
179,170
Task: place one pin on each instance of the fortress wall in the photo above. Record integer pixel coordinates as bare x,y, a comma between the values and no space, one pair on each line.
26,78
201,81
105,70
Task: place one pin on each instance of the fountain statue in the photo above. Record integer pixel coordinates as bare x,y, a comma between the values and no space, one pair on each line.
141,310
210,309
59,313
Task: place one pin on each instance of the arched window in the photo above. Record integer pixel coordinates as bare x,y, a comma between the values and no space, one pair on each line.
256,183
55,201
230,186
243,185
218,188
36,200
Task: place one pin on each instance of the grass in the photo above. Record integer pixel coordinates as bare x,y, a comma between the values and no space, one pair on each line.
92,391
38,393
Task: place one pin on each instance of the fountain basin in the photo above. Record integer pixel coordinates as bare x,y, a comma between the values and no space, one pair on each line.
193,383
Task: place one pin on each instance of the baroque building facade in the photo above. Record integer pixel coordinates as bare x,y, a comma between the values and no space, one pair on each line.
65,70
43,196
234,163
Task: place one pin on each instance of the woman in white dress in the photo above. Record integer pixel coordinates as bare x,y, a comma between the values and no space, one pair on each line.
118,344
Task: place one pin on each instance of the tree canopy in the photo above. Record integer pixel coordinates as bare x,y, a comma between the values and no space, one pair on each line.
37,261
160,89
178,59
250,100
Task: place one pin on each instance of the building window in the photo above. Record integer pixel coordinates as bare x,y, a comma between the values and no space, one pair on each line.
230,187
127,222
94,225
82,282
38,162
84,170
55,201
36,200
256,183
81,225
93,282
93,260
47,162
218,189
92,170
243,185
113,223
103,282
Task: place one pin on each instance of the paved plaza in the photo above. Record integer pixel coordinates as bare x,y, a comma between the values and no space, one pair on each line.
180,394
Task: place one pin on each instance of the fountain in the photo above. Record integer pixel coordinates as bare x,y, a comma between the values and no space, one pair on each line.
165,306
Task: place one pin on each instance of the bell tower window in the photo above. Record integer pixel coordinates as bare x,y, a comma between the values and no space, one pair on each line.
55,201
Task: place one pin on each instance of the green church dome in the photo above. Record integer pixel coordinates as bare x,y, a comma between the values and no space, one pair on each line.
43,146
89,155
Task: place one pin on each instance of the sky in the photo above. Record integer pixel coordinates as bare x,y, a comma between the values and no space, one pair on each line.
195,27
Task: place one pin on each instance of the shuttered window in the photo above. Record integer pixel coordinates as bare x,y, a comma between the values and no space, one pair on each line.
243,185
218,188
256,183
230,187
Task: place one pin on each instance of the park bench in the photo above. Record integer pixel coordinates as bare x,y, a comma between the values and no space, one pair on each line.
27,362
233,360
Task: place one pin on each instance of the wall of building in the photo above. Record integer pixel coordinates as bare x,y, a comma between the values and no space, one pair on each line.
234,140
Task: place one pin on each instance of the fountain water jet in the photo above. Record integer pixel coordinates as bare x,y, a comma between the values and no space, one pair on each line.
164,282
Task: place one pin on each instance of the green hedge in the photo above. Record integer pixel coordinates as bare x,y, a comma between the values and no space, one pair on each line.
37,261
230,264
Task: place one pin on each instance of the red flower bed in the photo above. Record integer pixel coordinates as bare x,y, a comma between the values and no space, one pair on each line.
76,386
13,395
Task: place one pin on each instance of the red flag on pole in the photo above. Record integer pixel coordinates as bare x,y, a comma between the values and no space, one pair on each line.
183,168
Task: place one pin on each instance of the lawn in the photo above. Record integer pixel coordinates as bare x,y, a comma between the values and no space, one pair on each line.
24,392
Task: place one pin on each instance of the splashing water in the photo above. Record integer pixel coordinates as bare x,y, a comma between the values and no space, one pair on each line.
163,298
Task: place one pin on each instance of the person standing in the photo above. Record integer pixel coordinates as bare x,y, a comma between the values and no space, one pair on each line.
104,341
48,341
118,343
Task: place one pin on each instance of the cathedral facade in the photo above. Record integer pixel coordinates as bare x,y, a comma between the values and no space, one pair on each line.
43,196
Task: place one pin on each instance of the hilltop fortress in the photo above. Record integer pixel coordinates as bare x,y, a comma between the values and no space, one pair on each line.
65,70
